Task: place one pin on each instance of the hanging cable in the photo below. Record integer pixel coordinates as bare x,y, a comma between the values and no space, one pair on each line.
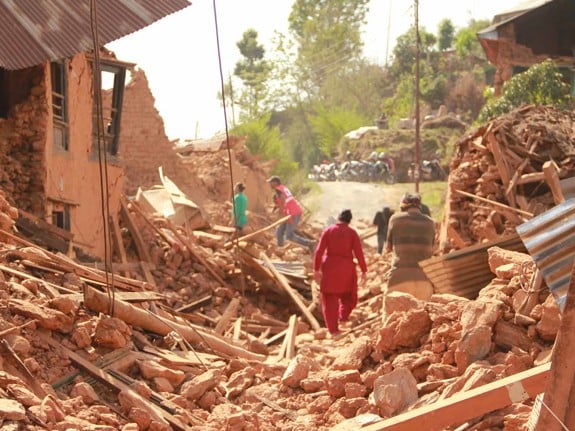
231,174
102,156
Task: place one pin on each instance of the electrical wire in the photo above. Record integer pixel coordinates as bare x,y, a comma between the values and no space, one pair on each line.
231,174
102,157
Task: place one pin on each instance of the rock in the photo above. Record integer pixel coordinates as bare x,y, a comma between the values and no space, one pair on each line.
352,357
12,410
394,392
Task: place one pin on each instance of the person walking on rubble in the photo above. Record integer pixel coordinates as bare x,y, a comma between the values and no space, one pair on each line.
410,237
239,208
287,204
381,220
335,270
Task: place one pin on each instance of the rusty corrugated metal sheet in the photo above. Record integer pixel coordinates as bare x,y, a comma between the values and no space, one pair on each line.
35,31
465,272
550,240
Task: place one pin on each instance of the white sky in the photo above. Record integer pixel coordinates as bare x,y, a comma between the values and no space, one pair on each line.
180,57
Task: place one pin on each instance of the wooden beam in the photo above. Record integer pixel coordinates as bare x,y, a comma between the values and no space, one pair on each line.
495,204
530,178
118,243
100,302
511,186
194,304
141,247
467,405
500,162
559,391
551,172
291,292
291,337
229,314
257,232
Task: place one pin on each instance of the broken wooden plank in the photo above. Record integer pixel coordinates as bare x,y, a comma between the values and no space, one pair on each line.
530,178
194,304
511,186
229,314
141,247
495,204
257,232
291,337
464,406
500,159
291,292
551,172
118,242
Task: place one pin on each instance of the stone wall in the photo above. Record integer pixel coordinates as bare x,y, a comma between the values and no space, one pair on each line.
22,140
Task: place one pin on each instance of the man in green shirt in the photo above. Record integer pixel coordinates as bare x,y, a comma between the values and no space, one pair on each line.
239,209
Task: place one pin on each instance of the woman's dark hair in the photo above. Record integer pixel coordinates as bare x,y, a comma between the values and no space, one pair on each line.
387,211
240,186
345,216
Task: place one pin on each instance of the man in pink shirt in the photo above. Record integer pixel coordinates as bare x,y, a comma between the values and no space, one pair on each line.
287,204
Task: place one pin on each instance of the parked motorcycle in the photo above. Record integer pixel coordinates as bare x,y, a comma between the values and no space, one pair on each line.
430,170
324,172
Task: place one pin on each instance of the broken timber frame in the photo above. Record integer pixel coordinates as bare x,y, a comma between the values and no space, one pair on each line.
467,405
293,295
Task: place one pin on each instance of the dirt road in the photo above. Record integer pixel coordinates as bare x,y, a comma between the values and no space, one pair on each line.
364,199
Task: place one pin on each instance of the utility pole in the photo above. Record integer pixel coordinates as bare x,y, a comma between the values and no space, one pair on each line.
388,33
417,125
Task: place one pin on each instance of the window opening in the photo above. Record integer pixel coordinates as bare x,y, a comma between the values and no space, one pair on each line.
113,79
61,216
60,104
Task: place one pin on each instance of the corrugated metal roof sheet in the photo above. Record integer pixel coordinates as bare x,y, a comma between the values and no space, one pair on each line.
550,240
35,31
465,272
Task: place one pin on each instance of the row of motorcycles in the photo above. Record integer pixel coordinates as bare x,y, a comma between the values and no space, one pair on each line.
354,170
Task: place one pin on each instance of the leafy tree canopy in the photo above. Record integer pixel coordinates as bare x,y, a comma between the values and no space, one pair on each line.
446,32
254,71
541,84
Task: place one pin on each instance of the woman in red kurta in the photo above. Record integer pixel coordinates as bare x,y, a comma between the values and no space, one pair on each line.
335,271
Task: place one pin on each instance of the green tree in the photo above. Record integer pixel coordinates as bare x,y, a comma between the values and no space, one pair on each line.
405,50
254,72
267,141
466,42
327,34
446,32
541,84
330,126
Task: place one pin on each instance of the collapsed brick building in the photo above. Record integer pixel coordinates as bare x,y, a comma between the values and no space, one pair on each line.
530,33
193,332
52,137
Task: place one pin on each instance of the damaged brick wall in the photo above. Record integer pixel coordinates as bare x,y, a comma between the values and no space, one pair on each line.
23,137
144,145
